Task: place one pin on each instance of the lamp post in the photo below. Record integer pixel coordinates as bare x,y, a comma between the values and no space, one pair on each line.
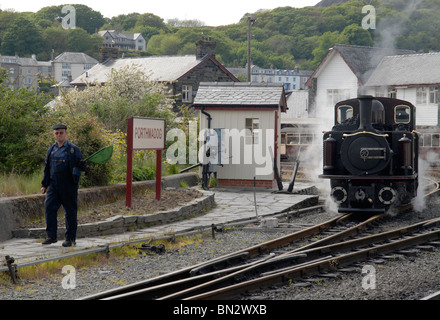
251,20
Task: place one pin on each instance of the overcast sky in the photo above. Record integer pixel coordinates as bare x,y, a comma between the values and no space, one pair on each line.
212,13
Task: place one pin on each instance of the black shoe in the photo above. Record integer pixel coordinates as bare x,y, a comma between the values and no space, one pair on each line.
49,241
69,243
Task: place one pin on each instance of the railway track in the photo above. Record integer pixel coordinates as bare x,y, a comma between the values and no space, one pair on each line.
338,243
266,256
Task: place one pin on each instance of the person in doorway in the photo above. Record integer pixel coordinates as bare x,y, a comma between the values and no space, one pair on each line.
62,172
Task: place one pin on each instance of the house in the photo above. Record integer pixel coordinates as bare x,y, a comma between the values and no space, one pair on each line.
25,72
292,79
126,41
70,65
342,75
182,73
246,118
413,77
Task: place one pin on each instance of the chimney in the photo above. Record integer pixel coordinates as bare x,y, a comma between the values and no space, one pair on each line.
205,47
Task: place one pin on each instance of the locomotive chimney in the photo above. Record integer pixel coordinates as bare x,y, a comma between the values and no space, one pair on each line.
365,105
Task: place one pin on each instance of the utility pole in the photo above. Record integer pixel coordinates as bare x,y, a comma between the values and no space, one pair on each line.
251,20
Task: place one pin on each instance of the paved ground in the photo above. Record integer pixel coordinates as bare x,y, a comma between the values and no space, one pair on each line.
231,206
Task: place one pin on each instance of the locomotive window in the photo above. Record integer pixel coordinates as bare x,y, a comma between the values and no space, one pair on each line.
402,114
344,113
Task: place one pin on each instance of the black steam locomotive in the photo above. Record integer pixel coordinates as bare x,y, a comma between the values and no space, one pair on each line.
371,154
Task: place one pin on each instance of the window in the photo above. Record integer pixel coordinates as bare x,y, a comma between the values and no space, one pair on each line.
293,138
392,93
433,95
66,66
306,138
252,130
402,114
186,93
344,113
435,140
336,95
421,95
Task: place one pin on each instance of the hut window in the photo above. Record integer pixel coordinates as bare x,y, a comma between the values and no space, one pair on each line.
252,129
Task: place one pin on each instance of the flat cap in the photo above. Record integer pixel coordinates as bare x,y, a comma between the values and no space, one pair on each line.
59,127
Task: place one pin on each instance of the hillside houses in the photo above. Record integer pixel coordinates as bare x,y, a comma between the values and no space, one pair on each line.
29,72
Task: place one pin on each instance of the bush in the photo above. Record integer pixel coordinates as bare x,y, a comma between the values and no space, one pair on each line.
22,118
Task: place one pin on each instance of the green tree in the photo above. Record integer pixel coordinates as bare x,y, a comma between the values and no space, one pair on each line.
326,41
356,35
86,18
23,118
23,37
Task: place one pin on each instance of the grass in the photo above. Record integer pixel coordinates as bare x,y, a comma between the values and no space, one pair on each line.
14,184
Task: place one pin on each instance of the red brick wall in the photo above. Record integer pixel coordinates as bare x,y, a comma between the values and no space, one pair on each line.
245,183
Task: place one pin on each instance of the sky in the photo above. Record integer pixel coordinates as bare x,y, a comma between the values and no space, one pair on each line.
212,13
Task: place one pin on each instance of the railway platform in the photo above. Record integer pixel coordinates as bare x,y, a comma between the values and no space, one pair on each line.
232,205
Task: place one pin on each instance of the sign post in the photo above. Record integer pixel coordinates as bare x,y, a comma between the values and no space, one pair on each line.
144,134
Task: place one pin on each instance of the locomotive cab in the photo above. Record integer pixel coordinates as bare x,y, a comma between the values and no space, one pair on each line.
371,154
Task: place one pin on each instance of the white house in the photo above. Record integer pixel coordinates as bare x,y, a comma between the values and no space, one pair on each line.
415,78
122,40
342,75
70,65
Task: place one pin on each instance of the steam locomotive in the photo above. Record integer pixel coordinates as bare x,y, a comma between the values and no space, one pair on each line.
371,154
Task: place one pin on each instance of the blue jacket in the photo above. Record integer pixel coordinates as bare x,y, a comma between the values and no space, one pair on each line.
72,164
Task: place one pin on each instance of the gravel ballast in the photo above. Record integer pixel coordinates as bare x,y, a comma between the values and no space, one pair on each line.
401,278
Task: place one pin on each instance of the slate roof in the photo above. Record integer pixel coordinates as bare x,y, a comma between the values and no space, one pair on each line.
407,70
362,60
240,94
159,68
75,57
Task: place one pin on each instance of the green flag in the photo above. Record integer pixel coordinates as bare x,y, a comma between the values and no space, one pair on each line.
102,156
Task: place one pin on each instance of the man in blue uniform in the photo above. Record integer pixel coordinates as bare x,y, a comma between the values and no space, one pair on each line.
62,171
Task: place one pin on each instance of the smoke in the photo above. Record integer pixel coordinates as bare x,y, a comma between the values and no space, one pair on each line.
389,27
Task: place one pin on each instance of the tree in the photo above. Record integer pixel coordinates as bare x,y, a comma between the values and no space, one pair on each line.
128,92
356,35
23,37
326,41
23,118
86,18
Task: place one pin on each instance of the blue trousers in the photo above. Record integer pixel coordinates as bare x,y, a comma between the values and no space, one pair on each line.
62,193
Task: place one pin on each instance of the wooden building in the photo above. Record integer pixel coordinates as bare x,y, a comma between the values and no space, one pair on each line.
247,120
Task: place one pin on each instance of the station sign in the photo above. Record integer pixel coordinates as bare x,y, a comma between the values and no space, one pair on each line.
145,134
148,133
